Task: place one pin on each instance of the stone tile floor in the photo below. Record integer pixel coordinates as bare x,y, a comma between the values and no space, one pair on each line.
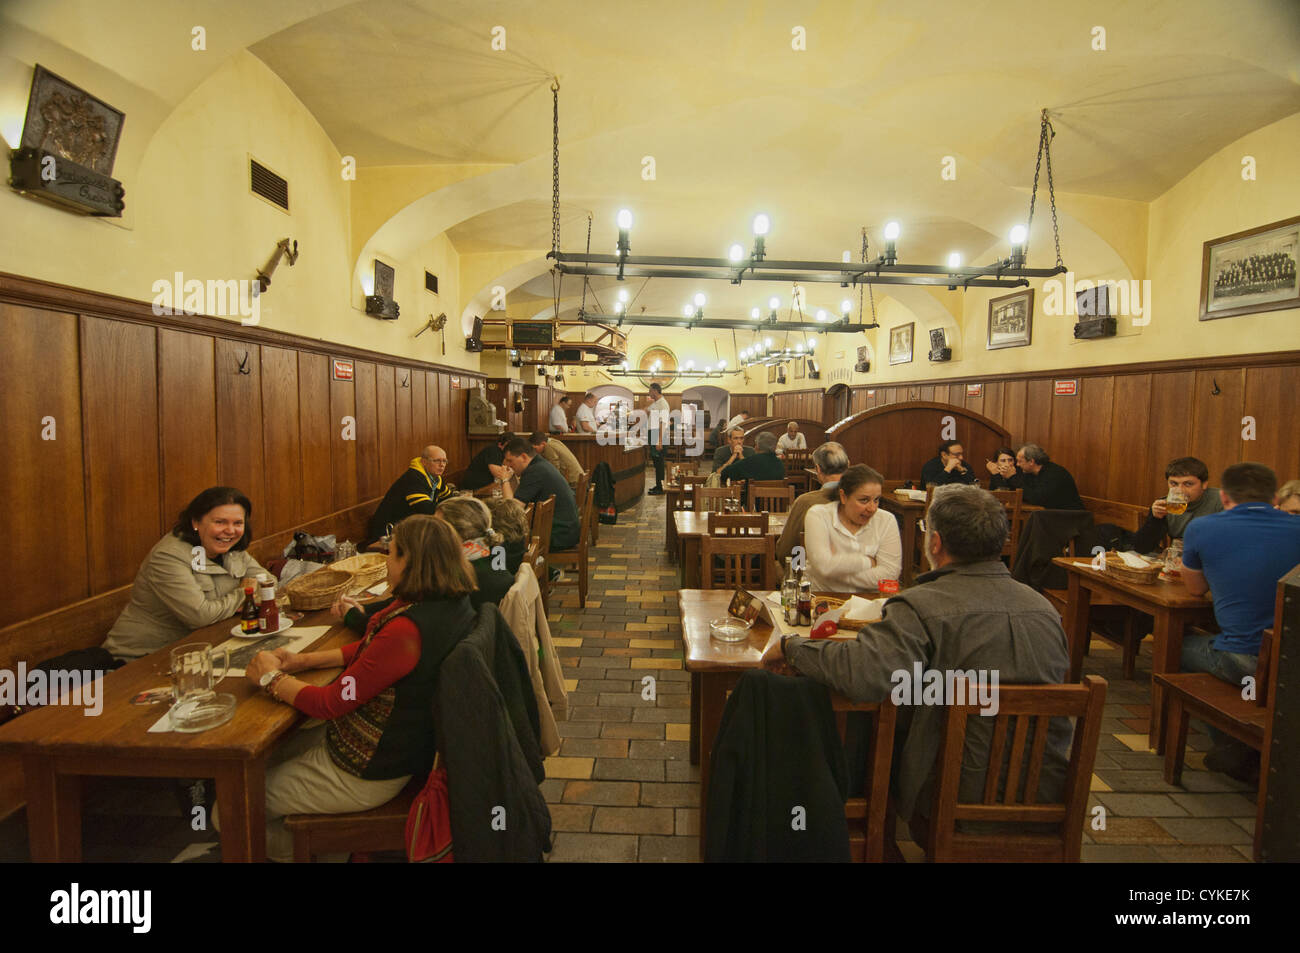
621,788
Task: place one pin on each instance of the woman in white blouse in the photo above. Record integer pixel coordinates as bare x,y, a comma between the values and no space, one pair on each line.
852,544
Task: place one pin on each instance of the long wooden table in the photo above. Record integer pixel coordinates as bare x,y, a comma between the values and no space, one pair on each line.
908,513
690,526
1169,603
715,668
60,745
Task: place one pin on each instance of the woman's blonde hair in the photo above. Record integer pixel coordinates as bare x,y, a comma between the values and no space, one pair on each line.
509,520
1287,490
436,567
470,517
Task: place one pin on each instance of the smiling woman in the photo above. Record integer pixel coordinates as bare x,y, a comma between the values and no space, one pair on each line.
191,578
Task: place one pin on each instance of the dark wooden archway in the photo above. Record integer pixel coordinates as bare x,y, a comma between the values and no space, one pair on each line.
898,439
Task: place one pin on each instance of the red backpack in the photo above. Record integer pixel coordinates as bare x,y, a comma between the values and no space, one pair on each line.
428,825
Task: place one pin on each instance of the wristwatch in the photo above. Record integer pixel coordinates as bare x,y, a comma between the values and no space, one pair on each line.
269,679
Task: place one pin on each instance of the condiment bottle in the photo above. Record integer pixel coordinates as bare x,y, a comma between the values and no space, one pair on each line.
249,616
268,613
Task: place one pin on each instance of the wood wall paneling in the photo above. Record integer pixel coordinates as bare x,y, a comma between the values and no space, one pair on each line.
343,428
281,441
187,418
1093,437
368,476
1169,429
41,482
433,414
407,448
1269,392
1128,472
314,430
1013,410
420,435
1216,418
119,415
240,455
386,420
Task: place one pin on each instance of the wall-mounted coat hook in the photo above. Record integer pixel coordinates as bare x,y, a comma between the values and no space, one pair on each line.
243,365
1216,392
406,381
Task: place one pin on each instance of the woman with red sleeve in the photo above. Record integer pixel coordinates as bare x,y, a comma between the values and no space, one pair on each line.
376,728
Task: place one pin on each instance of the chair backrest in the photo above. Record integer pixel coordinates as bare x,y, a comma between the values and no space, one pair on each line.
737,562
796,461
737,524
580,491
685,499
543,518
528,513
587,507
713,499
533,553
1264,668
1011,499
1021,755
772,496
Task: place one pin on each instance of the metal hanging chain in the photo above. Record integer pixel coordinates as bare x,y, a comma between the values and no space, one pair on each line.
870,288
1045,135
555,166
586,282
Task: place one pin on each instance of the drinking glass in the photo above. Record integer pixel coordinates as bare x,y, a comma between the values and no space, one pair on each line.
192,670
1176,503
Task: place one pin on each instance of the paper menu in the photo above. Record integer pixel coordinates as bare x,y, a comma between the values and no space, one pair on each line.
295,640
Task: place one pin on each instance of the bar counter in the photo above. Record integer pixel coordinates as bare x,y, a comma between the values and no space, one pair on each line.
628,464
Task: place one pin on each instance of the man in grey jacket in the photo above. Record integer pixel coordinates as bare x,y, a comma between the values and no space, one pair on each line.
965,616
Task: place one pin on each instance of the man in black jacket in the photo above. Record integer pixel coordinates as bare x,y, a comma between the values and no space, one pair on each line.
419,490
1045,483
480,471
948,467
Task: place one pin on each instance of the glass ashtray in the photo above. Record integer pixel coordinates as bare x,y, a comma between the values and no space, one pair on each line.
729,629
202,713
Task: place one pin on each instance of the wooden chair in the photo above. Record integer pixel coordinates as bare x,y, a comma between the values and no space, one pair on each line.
745,562
737,524
713,499
939,836
772,496
575,559
543,520
797,462
1204,696
867,810
579,493
381,828
532,556
1011,499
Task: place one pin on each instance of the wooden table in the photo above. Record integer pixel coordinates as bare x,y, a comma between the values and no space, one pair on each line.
689,526
908,513
60,744
715,668
1169,603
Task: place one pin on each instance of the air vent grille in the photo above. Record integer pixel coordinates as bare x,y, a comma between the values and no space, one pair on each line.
264,182
430,282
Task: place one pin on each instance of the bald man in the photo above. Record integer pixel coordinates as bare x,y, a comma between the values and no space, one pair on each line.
419,490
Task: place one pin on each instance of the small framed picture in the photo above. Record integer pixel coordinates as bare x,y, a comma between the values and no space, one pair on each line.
771,373
798,368
900,343
1011,320
1251,271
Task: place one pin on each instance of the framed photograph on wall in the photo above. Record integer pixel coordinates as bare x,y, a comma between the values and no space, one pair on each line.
771,373
1251,271
798,368
900,343
1011,320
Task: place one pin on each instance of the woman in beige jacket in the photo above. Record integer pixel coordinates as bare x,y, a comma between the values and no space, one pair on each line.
193,576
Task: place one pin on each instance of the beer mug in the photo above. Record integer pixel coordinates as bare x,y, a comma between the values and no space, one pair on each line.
1176,502
192,671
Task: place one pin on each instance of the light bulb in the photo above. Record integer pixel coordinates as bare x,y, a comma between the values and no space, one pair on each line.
368,285
755,314
812,341
846,257
767,342
891,231
625,365
1018,234
689,365
761,224
618,307
687,310
736,253
708,369
846,306
622,294
798,348
821,316
722,364
624,219
954,260
699,299
774,302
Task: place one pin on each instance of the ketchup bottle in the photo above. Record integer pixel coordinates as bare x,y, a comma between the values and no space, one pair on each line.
268,613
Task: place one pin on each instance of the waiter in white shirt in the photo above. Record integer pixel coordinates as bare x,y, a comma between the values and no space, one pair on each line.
658,412
560,416
792,439
586,417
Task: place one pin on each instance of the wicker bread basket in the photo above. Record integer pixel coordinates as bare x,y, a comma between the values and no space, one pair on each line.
1142,577
317,590
366,568
822,604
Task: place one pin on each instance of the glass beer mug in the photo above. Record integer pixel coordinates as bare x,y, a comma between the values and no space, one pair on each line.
193,671
1176,503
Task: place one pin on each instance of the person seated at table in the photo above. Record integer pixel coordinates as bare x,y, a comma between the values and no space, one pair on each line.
830,460
558,456
1045,483
852,543
1239,554
377,732
487,464
1192,477
559,421
586,416
509,519
1288,497
732,451
194,576
763,465
483,547
792,439
948,467
1002,469
739,419
537,481
966,614
418,490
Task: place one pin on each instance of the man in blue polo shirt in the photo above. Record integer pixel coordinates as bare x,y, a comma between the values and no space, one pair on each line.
1238,555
